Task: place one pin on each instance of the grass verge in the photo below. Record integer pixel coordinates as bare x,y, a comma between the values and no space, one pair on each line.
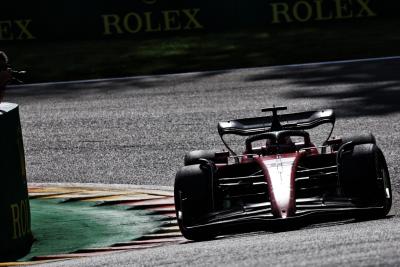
61,228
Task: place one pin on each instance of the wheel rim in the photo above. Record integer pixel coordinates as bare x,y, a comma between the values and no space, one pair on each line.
384,186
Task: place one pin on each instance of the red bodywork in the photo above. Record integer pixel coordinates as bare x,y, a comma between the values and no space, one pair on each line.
281,177
279,172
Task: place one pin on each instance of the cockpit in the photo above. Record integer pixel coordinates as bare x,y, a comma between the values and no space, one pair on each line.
279,142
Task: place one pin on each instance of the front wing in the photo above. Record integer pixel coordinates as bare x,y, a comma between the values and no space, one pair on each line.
259,216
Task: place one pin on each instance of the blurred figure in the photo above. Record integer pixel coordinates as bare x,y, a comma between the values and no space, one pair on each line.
5,74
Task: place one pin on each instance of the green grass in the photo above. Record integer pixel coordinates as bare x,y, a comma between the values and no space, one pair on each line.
82,59
60,228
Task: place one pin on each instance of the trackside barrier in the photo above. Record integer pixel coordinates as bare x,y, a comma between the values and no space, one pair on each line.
23,20
15,219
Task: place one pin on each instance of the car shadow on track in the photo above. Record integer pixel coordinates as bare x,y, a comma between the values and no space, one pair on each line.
323,222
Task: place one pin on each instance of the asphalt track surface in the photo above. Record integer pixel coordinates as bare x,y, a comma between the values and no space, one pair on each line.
136,131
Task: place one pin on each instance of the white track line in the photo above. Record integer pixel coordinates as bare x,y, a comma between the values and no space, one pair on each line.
315,64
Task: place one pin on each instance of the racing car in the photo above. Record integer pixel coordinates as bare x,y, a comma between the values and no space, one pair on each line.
281,176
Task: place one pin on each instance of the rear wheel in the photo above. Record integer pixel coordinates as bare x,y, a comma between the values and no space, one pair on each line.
356,140
360,139
364,176
193,195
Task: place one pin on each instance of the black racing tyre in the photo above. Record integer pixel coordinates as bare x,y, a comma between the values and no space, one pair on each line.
356,140
193,195
364,176
360,139
193,157
384,186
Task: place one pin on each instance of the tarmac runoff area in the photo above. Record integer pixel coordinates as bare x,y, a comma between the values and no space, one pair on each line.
80,220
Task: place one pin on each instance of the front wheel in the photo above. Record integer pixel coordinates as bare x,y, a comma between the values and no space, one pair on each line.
364,176
193,194
384,186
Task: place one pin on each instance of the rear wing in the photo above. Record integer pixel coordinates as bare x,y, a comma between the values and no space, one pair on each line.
292,121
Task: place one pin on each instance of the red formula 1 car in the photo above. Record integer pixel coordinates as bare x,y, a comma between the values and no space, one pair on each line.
282,179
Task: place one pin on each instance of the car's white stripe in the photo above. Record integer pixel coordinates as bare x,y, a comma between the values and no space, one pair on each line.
280,172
